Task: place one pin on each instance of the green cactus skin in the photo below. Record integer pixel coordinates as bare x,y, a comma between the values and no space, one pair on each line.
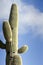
7,31
23,49
13,20
2,45
17,60
10,31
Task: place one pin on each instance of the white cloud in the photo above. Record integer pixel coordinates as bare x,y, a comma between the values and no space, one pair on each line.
31,17
28,16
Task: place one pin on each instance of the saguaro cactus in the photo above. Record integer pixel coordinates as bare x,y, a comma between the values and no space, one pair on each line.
10,31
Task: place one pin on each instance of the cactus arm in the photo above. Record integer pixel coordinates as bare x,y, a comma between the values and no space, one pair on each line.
2,45
17,60
13,20
23,49
7,31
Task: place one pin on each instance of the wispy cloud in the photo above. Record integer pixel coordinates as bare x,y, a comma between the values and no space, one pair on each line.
29,16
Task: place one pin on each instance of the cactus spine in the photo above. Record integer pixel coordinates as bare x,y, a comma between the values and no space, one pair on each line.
10,30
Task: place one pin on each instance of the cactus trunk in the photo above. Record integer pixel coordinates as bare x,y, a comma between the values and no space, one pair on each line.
13,20
10,31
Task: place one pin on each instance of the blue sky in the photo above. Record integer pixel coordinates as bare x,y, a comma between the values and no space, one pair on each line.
30,29
37,3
